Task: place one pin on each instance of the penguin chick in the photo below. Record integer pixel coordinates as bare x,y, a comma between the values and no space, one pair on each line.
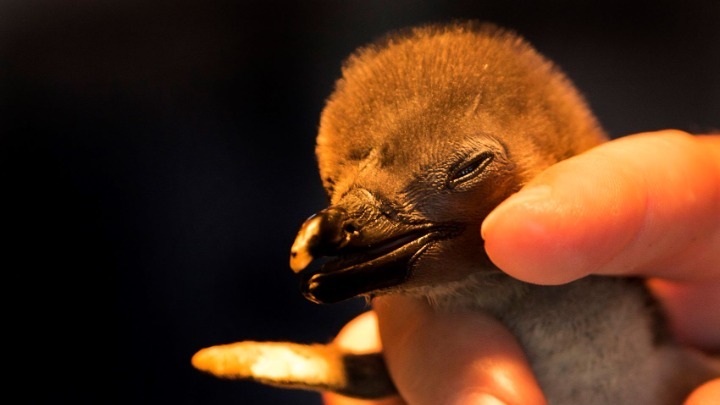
425,133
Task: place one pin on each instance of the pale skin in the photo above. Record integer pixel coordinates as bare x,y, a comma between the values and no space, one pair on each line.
646,204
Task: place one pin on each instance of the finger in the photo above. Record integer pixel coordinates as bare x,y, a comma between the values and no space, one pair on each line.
452,358
646,204
359,336
707,394
335,399
692,311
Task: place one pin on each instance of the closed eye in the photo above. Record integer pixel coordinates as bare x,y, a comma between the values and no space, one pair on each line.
468,170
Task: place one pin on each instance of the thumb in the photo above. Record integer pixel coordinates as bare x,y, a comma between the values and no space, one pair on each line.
644,204
706,394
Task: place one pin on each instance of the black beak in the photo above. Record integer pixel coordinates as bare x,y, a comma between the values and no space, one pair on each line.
364,258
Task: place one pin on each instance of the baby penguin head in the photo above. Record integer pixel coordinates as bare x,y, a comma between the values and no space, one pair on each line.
426,132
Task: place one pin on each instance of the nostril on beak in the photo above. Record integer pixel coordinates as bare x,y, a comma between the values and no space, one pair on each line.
323,234
350,229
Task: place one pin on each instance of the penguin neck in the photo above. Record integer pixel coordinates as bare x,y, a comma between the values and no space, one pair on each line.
498,294
491,291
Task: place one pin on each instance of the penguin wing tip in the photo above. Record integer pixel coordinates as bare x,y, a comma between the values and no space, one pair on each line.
278,363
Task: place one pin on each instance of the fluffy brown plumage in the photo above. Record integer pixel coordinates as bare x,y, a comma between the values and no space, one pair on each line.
426,132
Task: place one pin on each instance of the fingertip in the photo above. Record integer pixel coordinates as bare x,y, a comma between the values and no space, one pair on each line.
360,335
706,394
544,233
521,235
335,399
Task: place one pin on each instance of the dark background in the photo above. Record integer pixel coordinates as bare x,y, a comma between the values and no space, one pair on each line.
157,160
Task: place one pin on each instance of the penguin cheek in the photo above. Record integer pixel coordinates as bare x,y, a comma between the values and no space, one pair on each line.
424,266
440,262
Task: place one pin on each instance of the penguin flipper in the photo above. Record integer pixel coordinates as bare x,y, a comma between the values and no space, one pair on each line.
317,367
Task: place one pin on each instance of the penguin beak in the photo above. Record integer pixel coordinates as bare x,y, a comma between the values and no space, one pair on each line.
362,259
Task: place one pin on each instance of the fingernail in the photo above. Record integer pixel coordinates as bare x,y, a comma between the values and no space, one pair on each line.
477,398
528,196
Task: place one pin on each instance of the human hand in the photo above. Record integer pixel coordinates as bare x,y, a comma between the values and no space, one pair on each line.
646,204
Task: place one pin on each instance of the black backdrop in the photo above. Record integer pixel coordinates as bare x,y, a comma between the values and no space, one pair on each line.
157,160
